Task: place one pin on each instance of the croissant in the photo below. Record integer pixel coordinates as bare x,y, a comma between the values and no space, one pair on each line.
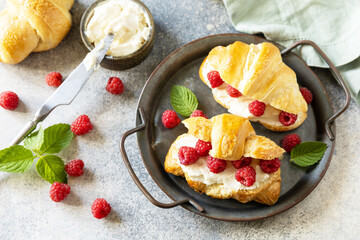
32,26
258,73
232,138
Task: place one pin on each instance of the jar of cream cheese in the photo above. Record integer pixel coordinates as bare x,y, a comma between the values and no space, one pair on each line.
132,24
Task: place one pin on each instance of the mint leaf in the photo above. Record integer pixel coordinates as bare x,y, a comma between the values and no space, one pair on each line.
307,153
183,100
35,140
56,138
51,168
15,159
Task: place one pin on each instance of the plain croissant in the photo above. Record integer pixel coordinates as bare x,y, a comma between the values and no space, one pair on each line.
259,73
32,26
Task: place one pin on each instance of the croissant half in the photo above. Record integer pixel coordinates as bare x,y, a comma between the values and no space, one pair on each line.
258,72
32,26
232,137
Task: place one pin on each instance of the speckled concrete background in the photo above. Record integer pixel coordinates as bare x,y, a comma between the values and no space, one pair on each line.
330,212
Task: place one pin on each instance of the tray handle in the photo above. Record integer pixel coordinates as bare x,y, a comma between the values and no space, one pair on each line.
136,179
336,75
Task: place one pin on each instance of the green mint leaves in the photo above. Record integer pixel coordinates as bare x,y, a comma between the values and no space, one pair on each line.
38,145
51,169
183,100
16,159
307,153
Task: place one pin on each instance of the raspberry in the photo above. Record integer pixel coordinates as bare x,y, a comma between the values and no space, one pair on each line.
306,94
290,141
233,92
59,191
215,165
214,79
75,168
203,147
287,119
198,113
243,162
53,79
9,100
170,119
246,176
257,108
115,86
100,208
188,155
81,125
270,166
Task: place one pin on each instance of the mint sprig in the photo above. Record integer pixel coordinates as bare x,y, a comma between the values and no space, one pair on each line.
16,159
308,153
40,144
183,100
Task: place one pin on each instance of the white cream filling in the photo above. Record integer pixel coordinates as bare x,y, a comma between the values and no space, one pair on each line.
199,171
240,106
126,19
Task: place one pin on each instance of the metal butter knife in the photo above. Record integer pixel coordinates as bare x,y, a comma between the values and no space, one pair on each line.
69,89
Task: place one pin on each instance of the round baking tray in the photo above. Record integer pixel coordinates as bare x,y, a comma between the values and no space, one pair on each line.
154,140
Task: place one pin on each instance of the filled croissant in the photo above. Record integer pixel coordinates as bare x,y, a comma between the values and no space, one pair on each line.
32,26
253,82
224,158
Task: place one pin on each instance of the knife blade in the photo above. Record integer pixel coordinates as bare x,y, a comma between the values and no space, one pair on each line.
70,88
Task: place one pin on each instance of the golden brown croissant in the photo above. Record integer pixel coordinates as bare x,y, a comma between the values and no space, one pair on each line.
258,73
232,138
32,26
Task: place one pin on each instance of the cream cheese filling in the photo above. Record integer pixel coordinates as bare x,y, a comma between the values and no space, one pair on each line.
126,19
199,171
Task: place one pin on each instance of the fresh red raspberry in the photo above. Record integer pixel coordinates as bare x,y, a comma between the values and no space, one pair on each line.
215,165
203,147
53,79
81,125
257,108
188,155
290,141
233,92
198,113
287,119
306,94
170,119
246,176
59,191
9,100
100,208
243,162
75,168
214,79
270,166
115,86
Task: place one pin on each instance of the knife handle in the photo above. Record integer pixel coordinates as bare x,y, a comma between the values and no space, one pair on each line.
29,127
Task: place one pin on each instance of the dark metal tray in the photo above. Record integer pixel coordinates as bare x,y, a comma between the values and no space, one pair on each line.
182,67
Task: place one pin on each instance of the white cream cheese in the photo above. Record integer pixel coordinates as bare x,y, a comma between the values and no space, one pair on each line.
90,59
199,171
126,19
239,106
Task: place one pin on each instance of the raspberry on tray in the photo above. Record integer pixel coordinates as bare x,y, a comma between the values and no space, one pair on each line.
290,141
170,119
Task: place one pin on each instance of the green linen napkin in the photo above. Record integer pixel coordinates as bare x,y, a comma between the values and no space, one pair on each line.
332,24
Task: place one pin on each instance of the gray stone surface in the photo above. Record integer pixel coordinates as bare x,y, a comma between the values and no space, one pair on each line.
331,211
